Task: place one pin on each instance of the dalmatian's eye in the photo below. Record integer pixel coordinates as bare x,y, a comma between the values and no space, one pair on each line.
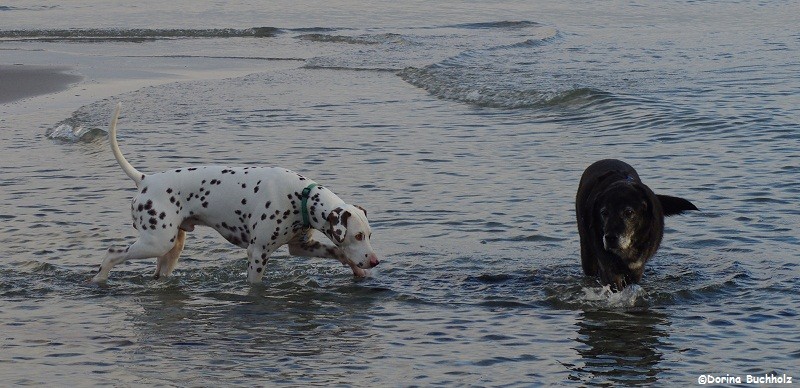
360,236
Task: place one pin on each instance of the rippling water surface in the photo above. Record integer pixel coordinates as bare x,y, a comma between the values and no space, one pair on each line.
464,133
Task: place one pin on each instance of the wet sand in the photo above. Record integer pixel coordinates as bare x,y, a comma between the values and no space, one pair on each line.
22,81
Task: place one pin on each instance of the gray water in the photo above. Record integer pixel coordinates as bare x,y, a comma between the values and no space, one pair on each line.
463,130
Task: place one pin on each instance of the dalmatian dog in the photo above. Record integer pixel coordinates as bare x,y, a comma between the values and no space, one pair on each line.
257,208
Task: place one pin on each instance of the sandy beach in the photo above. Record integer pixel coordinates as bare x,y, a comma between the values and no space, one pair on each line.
22,81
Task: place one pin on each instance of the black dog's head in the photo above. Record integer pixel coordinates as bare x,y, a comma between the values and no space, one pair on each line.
630,221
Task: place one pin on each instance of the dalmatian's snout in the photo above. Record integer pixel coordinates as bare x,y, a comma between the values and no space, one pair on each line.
372,261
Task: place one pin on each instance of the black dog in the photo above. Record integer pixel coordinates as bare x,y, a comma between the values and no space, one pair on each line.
620,222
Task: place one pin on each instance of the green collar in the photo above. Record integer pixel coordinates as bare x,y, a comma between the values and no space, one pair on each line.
304,204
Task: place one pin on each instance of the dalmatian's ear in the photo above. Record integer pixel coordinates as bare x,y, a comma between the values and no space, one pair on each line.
337,225
362,209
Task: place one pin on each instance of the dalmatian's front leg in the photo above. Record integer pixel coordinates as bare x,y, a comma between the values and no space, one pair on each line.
306,246
257,256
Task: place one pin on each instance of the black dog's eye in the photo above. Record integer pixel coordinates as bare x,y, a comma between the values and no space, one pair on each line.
628,213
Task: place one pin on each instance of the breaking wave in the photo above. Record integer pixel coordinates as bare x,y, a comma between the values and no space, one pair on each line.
84,125
136,34
448,86
359,39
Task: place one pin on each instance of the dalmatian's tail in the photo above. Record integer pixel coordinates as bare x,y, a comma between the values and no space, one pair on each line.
131,171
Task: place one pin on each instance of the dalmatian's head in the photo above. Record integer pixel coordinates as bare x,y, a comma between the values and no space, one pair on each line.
348,228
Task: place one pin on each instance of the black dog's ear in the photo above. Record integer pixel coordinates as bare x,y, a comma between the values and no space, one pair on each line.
674,205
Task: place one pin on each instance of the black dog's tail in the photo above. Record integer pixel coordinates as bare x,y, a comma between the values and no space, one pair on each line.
674,205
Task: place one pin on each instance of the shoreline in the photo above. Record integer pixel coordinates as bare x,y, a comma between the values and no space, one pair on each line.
25,81
44,94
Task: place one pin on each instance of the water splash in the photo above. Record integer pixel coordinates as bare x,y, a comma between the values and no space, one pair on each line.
603,297
71,132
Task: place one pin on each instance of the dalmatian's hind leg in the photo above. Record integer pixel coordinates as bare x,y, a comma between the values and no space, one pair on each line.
145,247
166,263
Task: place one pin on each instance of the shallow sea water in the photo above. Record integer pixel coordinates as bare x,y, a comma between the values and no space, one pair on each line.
464,133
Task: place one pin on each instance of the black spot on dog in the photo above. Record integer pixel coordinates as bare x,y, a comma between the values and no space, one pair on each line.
244,201
169,191
144,190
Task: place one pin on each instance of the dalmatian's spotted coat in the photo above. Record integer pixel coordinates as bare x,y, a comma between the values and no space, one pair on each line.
257,208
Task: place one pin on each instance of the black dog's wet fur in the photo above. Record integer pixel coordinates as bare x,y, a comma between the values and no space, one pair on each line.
614,186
